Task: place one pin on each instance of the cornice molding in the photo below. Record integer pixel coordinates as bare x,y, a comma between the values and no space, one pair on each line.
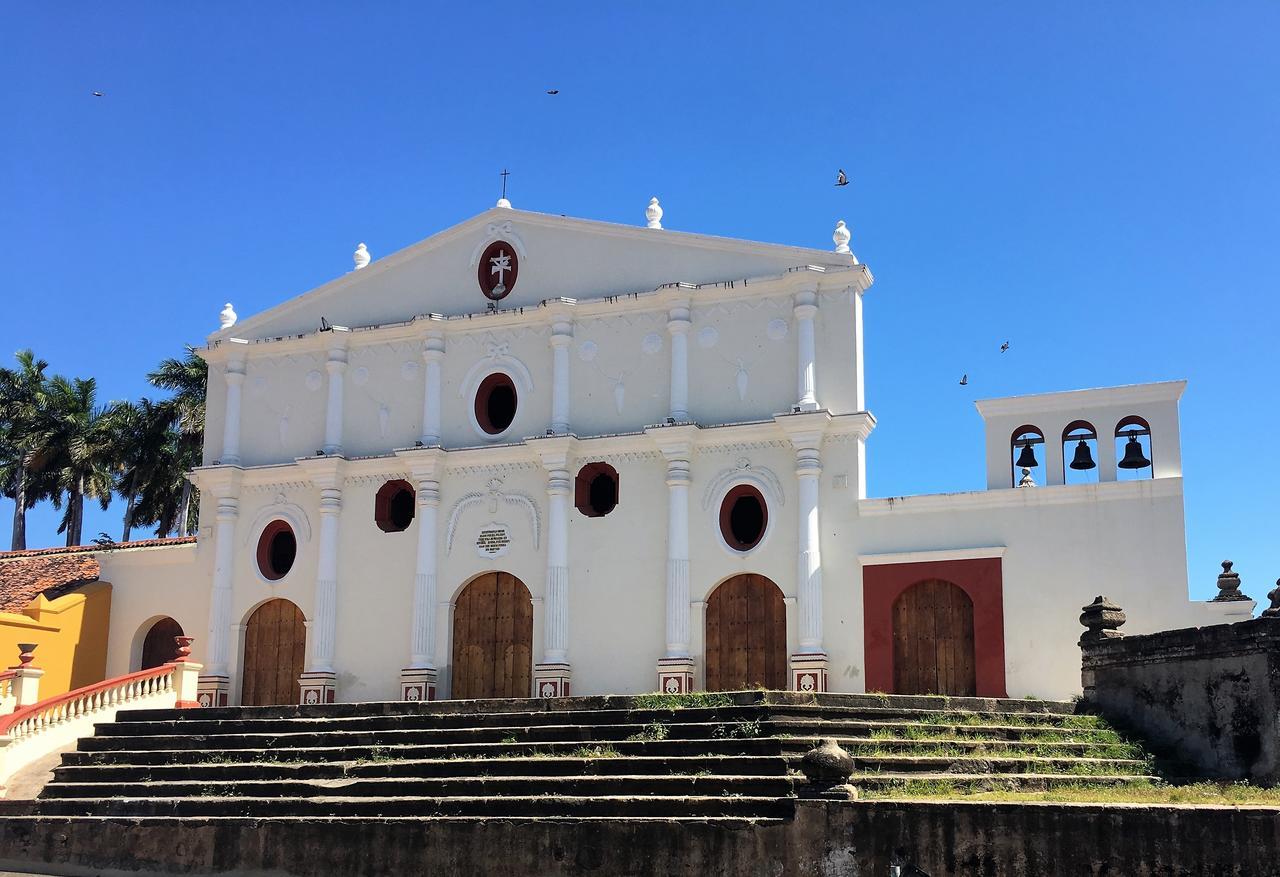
1074,400
1023,497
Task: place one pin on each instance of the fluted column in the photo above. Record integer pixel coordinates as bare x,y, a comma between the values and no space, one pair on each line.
676,666
222,487
678,324
234,377
432,355
319,682
809,664
224,549
806,307
561,338
336,366
552,675
423,646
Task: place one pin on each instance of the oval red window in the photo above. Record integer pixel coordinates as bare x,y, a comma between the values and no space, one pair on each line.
497,271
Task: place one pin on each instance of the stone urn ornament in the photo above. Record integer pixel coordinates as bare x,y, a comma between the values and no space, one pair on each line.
1103,620
827,769
1273,611
1229,585
183,652
26,654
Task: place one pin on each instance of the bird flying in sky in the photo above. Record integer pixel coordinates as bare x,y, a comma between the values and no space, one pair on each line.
97,94
964,379
841,179
553,91
1004,347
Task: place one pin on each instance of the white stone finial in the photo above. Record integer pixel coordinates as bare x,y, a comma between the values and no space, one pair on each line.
503,202
653,213
361,256
841,237
227,317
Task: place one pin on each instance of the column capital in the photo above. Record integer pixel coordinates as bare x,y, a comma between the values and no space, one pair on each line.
561,337
676,442
228,509
679,320
233,377
425,463
433,346
427,494
336,366
330,501
553,451
219,481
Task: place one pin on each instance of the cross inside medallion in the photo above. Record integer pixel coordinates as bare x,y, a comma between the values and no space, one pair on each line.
498,269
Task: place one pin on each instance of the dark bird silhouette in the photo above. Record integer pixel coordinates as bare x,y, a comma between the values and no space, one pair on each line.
1004,347
964,379
97,94
841,179
553,91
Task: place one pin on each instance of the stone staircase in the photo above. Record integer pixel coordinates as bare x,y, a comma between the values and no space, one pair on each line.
702,757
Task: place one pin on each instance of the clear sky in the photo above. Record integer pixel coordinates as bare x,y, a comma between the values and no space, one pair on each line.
1099,186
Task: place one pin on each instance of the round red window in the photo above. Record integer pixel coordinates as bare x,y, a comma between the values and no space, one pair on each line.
496,403
743,517
497,270
277,549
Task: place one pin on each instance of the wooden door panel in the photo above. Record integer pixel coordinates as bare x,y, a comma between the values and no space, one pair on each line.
933,640
493,638
746,635
275,653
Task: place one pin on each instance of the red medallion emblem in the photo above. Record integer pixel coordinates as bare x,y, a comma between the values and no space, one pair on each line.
498,269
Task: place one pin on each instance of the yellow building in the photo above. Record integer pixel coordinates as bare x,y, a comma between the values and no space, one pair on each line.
53,598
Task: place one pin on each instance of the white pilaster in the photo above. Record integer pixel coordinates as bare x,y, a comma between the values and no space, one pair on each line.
806,307
859,379
234,377
319,682
223,486
678,324
418,680
336,366
561,338
809,665
553,674
676,667
432,355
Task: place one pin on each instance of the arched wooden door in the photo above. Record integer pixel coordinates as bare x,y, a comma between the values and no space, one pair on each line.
933,640
160,647
746,635
275,652
493,638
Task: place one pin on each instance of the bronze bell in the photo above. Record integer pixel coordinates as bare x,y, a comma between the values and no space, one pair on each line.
1027,458
1133,456
1083,459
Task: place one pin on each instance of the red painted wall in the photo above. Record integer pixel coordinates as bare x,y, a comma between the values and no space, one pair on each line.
980,578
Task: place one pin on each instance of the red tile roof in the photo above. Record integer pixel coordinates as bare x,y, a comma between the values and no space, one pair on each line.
54,571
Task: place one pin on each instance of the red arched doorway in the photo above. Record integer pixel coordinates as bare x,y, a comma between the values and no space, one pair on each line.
493,638
933,640
160,646
746,635
275,652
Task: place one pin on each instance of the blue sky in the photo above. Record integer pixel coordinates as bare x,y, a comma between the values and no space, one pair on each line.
1098,185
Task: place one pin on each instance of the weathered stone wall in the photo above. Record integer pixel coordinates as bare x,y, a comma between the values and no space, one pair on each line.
825,839
1209,695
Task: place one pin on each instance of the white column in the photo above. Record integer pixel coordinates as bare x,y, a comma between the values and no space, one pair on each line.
219,647
561,338
423,644
325,622
432,354
806,306
234,377
678,479
556,629
678,323
809,552
337,367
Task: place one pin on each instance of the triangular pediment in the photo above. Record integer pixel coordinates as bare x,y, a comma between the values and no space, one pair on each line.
557,257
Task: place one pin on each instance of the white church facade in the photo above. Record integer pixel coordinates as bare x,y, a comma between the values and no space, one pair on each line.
539,456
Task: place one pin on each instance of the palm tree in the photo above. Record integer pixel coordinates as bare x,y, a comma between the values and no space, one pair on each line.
187,379
22,404
140,434
73,442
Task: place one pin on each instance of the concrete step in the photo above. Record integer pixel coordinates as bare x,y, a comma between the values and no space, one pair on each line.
987,781
324,754
339,806
996,748
733,765
1003,766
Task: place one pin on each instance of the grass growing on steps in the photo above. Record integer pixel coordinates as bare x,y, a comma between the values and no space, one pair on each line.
695,699
984,749
1138,792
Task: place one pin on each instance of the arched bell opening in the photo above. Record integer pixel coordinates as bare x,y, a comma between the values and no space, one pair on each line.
1026,456
1133,449
1080,453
